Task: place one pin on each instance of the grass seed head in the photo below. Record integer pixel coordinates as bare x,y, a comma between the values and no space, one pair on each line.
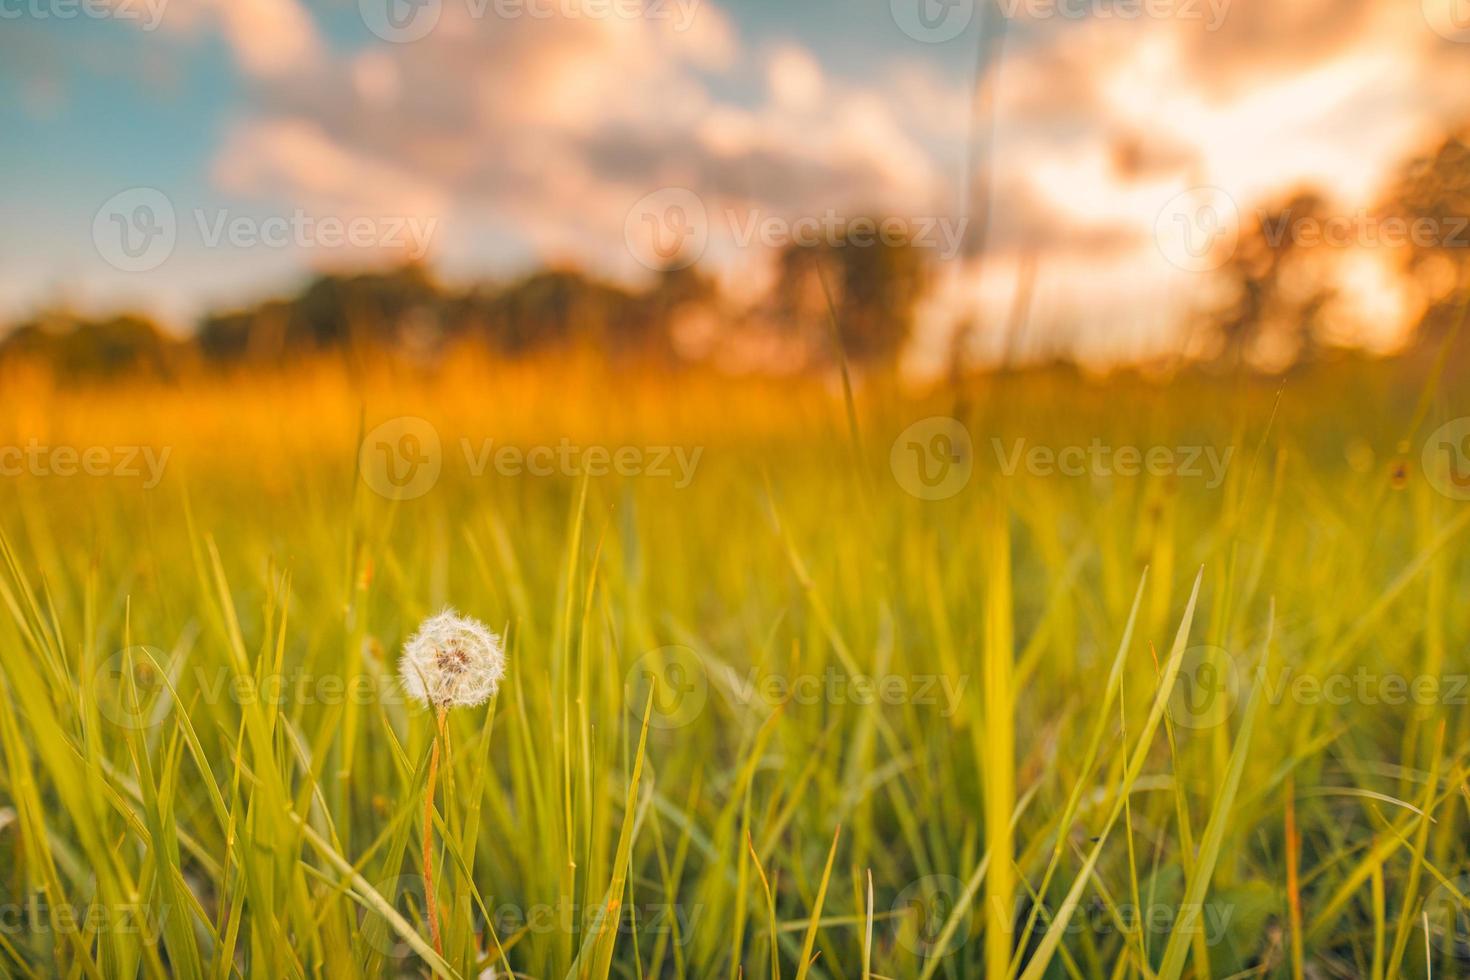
452,661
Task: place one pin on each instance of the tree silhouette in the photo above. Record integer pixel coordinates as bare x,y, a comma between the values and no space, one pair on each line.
870,285
1277,282
1433,190
78,347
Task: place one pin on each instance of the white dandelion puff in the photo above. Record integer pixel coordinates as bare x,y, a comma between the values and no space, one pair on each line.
453,661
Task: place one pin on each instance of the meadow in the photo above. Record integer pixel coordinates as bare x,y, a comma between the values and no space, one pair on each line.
1035,676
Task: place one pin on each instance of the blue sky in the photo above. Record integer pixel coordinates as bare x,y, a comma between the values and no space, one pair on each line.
95,105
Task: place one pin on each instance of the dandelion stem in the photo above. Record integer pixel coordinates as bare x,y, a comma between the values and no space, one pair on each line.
431,900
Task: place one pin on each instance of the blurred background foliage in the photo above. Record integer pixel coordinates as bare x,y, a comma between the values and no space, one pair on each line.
1271,301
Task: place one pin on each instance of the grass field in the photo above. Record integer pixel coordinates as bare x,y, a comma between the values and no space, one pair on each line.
769,709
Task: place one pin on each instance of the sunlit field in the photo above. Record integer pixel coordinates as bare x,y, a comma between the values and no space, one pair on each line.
804,680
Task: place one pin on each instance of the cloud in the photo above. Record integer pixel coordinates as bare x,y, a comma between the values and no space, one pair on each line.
1329,91
268,38
294,158
550,129
795,78
540,133
1100,123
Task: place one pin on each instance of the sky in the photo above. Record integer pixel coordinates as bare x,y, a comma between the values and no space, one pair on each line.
177,156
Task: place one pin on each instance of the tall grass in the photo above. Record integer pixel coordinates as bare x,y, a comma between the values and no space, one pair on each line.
207,767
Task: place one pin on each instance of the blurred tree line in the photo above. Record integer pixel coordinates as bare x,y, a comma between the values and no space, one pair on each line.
1279,295
869,289
1283,280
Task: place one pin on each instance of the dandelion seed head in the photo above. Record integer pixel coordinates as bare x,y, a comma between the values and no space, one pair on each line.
453,661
